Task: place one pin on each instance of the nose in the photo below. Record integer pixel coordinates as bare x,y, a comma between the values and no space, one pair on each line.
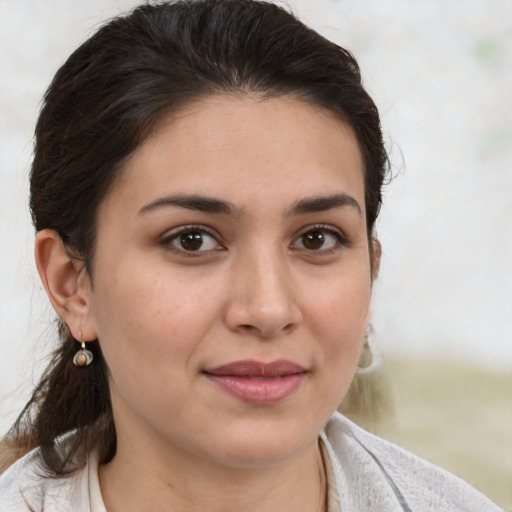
262,300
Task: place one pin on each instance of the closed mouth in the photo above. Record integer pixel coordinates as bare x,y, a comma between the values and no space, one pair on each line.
258,383
251,368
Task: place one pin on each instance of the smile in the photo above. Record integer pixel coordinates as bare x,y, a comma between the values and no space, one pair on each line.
258,383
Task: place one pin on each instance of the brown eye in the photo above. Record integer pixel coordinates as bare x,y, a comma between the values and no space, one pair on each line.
313,240
320,240
191,241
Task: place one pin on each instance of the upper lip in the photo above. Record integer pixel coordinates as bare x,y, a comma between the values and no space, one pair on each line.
251,368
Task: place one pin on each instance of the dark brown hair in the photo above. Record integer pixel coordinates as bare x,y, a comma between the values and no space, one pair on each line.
102,104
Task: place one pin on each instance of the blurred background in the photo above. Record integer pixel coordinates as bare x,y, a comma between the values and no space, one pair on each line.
441,73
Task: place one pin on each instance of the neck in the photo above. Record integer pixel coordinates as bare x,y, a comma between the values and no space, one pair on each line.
142,478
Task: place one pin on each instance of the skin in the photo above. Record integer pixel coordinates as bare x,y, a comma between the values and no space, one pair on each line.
254,289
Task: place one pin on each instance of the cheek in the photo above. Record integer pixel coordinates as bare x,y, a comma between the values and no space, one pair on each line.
147,321
339,316
151,331
339,313
343,328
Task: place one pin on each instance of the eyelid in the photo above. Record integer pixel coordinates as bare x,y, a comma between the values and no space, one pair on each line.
169,236
343,240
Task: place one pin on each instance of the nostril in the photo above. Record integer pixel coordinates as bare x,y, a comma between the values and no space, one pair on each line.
249,329
268,331
264,319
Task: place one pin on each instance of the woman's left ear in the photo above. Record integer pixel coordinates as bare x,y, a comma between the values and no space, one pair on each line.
66,283
375,256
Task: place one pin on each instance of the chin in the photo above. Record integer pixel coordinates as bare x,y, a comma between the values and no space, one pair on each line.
256,456
262,446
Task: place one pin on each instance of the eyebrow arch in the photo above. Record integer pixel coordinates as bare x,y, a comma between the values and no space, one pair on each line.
193,202
323,203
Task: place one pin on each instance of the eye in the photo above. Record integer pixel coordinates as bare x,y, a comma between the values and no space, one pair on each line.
319,239
191,240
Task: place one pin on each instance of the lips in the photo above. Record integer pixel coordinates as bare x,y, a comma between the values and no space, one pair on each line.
256,382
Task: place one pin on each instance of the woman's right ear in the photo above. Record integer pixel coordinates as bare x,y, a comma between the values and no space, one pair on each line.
66,283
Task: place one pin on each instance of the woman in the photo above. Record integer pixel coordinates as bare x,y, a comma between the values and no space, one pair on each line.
205,184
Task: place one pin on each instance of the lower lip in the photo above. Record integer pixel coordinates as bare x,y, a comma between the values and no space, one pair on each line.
259,390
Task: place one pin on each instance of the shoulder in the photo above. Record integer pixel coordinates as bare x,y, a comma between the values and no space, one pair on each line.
25,487
374,474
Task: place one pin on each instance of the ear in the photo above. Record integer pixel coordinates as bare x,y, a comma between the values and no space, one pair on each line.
375,255
66,283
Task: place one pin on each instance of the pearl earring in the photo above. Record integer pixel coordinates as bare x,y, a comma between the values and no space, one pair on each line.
83,357
366,359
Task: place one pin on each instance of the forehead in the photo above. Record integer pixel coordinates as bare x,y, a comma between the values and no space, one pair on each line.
245,148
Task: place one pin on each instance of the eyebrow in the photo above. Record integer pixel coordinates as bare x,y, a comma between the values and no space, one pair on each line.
218,206
323,203
193,202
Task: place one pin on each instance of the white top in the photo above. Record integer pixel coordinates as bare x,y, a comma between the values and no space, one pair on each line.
95,497
364,474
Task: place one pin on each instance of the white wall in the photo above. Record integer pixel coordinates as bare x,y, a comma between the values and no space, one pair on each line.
441,74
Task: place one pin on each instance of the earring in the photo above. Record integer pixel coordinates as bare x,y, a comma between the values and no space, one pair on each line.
83,357
366,357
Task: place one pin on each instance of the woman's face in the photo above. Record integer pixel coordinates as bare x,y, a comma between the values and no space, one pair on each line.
231,282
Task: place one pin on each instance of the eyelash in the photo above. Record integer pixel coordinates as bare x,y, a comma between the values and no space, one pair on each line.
341,240
169,238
